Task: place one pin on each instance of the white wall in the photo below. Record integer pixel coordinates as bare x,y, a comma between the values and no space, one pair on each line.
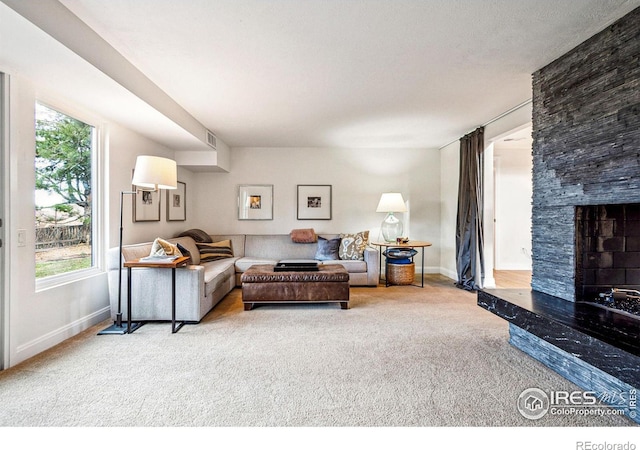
124,147
449,176
358,177
513,191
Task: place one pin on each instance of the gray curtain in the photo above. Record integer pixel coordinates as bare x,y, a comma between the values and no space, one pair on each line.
469,234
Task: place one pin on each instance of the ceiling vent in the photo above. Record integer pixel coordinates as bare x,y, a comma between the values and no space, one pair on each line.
212,140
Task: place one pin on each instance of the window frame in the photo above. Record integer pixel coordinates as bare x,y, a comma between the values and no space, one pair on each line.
97,199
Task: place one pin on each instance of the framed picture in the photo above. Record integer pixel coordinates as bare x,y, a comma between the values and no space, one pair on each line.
146,206
255,202
177,203
314,202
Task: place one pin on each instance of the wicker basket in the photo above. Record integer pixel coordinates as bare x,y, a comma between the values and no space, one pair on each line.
401,273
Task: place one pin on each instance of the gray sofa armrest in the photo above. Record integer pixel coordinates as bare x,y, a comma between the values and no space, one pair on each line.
155,288
372,258
151,293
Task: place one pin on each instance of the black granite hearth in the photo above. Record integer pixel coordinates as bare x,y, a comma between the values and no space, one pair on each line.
595,347
603,338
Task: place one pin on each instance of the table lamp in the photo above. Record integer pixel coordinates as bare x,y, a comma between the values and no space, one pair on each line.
391,202
151,173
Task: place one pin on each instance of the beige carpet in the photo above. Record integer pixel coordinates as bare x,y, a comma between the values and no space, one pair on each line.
401,356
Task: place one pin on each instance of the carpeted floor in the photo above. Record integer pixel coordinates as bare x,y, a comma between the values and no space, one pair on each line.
400,357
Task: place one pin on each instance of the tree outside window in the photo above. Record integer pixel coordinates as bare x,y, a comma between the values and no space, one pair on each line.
64,152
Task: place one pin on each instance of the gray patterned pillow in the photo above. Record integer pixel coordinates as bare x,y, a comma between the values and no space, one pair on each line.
352,246
327,249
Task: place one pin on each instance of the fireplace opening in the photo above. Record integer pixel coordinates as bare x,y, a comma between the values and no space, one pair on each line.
608,256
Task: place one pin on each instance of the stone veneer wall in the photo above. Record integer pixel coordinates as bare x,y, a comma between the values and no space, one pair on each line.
586,144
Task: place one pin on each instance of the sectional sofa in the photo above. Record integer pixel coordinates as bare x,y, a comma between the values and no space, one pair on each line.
203,283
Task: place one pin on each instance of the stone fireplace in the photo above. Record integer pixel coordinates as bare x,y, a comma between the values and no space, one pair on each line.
585,216
586,151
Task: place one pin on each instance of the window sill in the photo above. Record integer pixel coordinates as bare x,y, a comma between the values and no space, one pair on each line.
55,281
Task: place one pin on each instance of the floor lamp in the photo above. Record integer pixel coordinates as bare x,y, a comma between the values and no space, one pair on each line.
150,174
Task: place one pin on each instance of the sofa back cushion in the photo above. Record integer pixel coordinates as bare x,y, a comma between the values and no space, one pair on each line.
190,245
136,251
277,247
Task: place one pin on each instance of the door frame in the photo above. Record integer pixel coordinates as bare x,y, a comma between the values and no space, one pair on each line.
4,188
490,203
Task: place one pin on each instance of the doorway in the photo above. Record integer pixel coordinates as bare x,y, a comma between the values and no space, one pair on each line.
513,189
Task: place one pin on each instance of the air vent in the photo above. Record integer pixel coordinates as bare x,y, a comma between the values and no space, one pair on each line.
211,139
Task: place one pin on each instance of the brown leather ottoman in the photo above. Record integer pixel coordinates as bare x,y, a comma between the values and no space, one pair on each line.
330,284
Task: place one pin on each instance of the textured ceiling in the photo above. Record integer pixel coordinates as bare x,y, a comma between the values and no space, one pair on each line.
330,73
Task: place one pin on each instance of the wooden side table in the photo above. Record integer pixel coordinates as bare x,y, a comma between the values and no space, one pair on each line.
411,244
136,263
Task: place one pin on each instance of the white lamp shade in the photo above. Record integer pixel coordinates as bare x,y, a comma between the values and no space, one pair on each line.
154,172
391,202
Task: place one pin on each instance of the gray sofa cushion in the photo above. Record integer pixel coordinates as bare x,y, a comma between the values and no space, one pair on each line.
216,273
352,265
244,263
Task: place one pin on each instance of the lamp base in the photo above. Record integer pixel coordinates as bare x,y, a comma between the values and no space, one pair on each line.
391,228
120,329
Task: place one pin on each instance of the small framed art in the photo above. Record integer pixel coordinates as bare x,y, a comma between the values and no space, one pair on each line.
146,206
255,202
314,202
177,203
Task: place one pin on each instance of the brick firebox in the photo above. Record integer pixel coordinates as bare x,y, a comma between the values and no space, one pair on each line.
607,249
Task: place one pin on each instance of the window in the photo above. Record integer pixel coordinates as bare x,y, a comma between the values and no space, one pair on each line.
65,149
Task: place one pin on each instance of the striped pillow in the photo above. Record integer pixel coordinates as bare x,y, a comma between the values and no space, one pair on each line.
215,250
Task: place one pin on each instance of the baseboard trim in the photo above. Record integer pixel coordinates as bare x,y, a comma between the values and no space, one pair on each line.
448,273
55,337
